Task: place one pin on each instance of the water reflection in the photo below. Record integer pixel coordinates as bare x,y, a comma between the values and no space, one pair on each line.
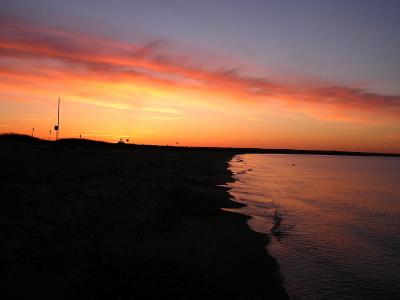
335,221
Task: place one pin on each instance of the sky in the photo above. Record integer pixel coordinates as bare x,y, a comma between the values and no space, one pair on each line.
273,74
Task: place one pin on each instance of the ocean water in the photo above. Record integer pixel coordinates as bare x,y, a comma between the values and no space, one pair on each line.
334,221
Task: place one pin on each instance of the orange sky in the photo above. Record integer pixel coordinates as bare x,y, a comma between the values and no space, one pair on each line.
113,89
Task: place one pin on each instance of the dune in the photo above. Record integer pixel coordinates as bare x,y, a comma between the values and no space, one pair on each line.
91,220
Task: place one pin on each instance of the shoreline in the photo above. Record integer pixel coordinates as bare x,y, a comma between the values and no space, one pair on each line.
330,189
15,137
110,222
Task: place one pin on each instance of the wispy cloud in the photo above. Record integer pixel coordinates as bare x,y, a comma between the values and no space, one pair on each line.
90,64
162,118
161,110
28,119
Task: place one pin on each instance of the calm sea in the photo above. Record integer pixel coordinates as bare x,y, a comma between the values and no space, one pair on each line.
334,221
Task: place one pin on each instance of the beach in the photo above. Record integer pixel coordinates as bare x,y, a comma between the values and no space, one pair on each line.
91,220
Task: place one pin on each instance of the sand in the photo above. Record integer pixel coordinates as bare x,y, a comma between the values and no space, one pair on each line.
84,220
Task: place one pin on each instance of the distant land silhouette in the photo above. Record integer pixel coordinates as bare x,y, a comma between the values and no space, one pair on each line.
13,137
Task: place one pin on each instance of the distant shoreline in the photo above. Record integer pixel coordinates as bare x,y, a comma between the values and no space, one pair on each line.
77,141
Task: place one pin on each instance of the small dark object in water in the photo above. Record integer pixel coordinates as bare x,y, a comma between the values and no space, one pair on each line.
293,165
277,232
276,229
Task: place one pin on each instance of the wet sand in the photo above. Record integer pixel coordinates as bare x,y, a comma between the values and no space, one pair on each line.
83,220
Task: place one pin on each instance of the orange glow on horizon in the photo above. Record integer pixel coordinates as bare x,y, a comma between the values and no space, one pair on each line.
112,89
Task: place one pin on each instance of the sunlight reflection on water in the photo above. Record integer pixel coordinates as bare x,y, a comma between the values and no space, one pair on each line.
335,221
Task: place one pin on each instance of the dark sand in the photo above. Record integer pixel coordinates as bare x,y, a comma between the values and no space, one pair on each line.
83,220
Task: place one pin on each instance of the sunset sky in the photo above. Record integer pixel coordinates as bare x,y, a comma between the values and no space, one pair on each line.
273,74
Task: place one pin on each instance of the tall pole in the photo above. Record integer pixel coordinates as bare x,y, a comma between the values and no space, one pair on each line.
58,119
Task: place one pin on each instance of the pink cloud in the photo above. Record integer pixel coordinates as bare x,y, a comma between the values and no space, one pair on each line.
77,56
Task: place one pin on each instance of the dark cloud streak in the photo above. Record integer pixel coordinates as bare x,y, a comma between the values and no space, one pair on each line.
108,58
